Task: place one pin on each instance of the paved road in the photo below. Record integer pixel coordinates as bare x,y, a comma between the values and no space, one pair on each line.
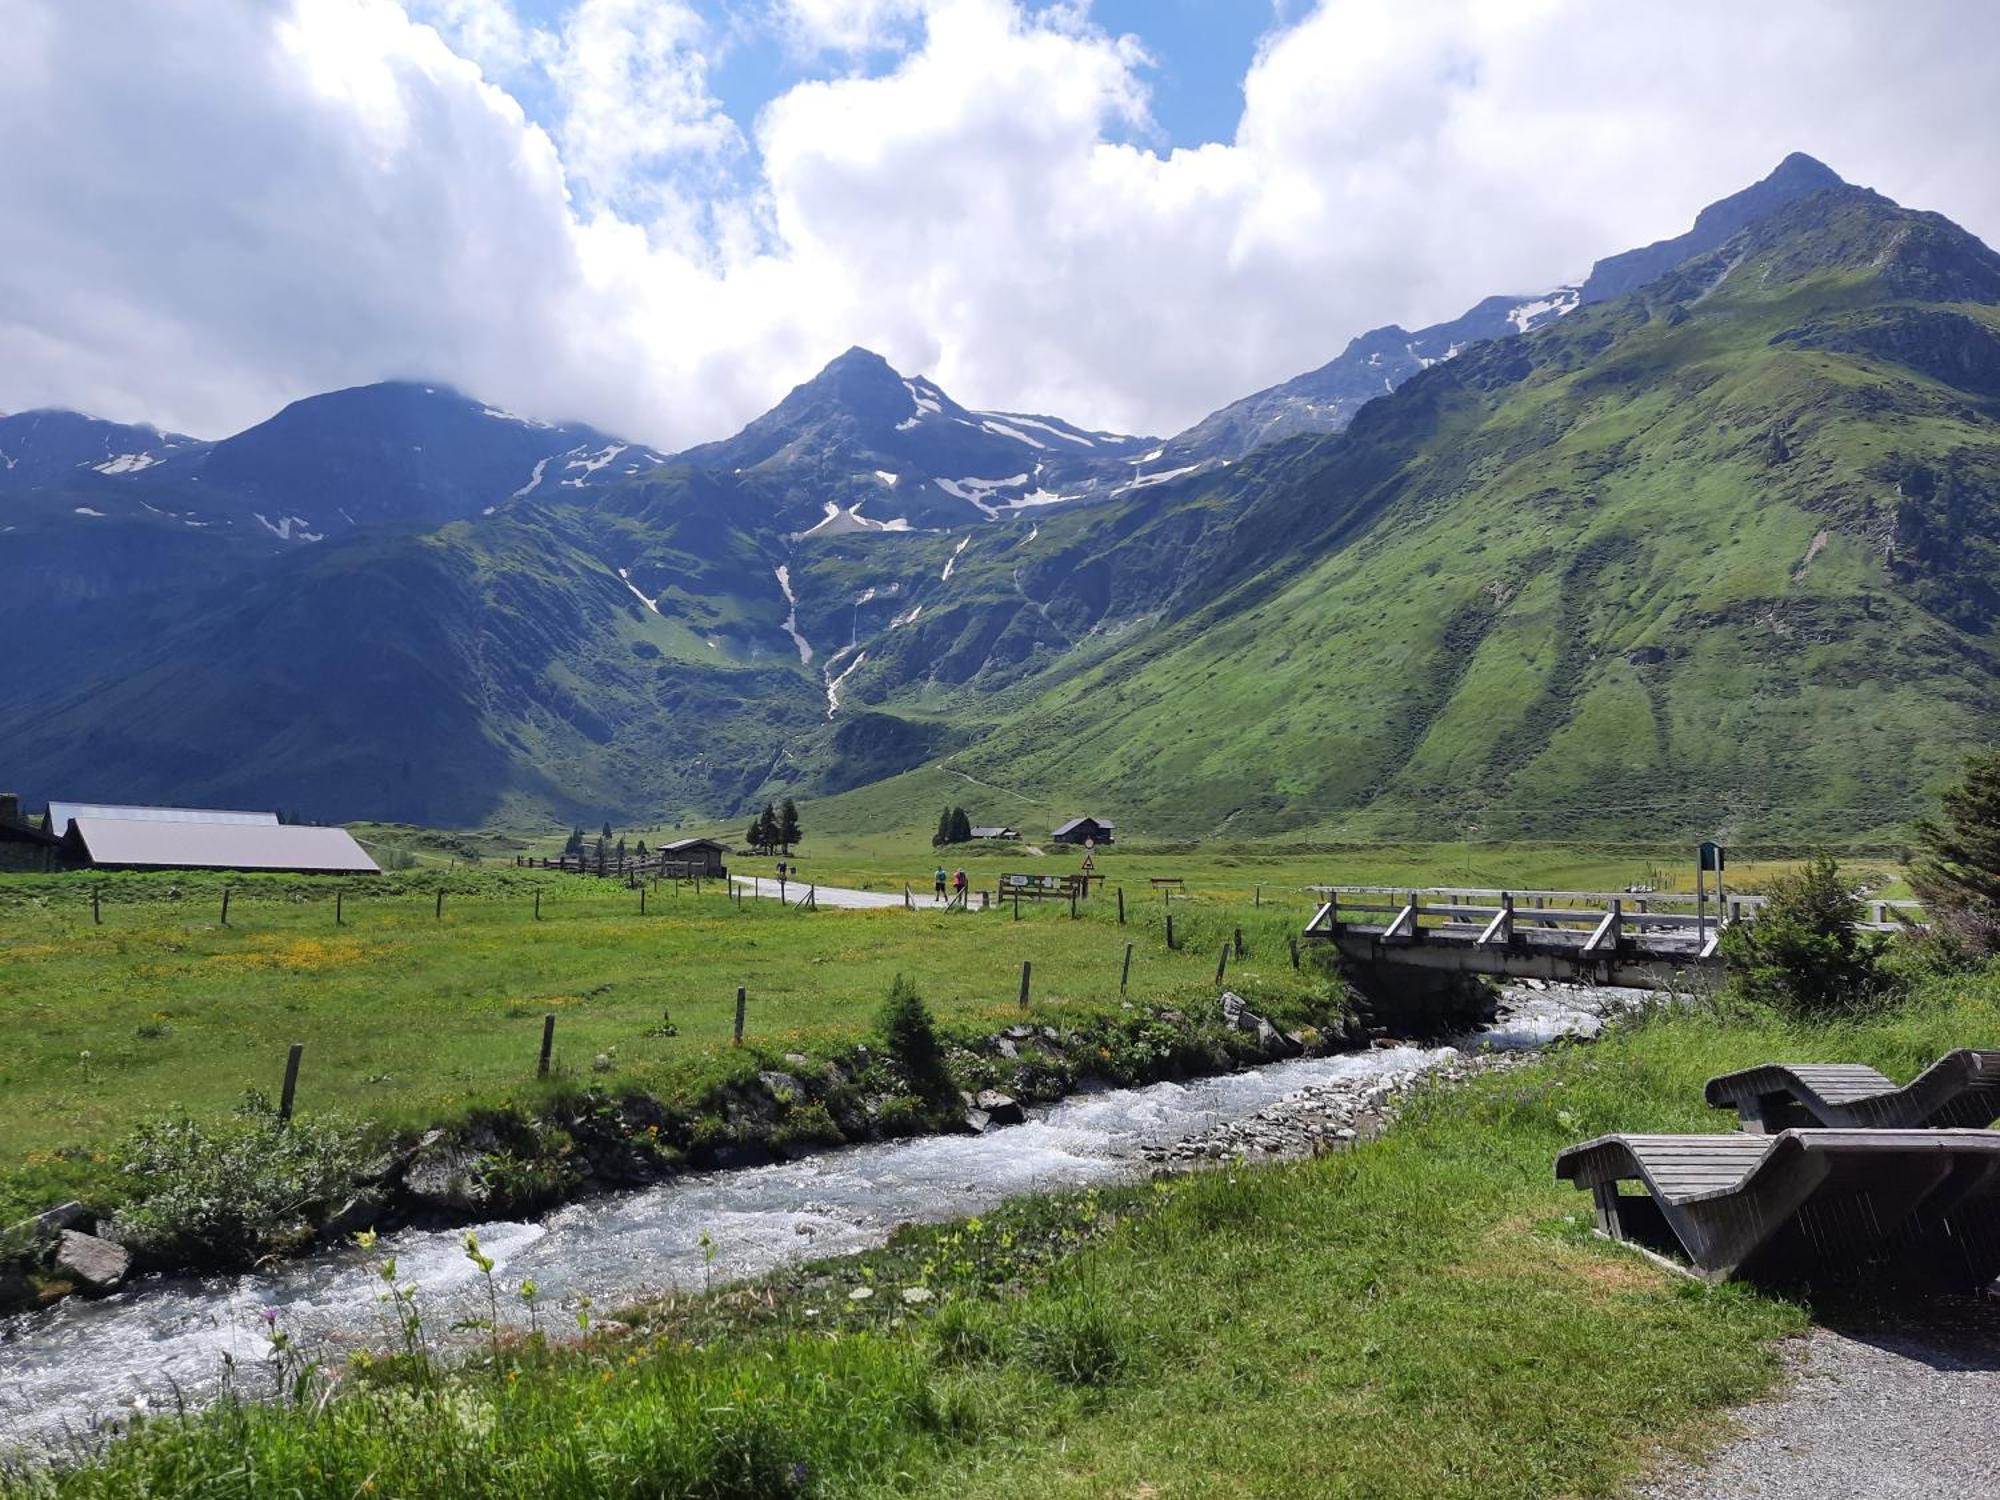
1876,1410
826,895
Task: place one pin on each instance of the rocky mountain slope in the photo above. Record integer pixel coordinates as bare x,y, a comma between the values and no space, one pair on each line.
1714,552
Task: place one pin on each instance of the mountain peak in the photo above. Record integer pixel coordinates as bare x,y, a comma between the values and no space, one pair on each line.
1797,176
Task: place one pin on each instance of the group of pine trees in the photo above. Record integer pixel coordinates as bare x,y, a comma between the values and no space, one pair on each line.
602,847
776,827
954,827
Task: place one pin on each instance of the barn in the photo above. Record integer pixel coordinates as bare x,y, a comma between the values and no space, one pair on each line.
1083,830
111,837
706,856
23,846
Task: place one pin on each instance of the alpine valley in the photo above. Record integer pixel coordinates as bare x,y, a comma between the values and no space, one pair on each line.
1708,540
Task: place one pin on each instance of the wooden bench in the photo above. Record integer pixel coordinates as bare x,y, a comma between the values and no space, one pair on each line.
1961,1088
1917,1209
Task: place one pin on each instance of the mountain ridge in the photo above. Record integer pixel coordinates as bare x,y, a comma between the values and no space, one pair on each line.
1333,631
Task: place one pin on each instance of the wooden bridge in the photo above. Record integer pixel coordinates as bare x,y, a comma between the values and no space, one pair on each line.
1639,939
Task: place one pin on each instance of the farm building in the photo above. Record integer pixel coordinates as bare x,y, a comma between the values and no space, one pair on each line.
60,815
23,846
192,838
1078,830
705,854
994,833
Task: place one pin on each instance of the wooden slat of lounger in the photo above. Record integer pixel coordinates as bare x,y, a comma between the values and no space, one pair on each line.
1683,1166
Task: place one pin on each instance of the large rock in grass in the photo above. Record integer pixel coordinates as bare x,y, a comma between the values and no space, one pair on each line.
1238,1016
93,1264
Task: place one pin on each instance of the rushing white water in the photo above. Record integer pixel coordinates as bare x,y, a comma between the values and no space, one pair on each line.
80,1363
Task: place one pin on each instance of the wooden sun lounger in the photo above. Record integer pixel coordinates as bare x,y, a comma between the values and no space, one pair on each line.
1961,1088
1914,1209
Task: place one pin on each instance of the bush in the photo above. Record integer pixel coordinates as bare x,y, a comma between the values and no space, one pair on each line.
912,1040
1802,954
223,1194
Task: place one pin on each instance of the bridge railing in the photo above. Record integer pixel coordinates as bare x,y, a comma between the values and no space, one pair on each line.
1662,909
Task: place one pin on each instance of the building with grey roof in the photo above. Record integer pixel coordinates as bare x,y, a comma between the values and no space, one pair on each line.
122,843
61,814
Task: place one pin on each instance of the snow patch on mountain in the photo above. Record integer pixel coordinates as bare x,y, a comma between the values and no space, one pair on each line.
123,463
952,561
1079,438
533,479
1528,316
1001,429
590,463
653,605
285,528
833,683
792,619
507,416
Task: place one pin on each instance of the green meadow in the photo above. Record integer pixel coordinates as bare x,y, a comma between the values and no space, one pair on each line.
412,1014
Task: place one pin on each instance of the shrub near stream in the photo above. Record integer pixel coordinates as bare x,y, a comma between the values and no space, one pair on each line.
225,1194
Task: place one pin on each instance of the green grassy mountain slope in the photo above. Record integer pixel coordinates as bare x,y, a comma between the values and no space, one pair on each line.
1713,555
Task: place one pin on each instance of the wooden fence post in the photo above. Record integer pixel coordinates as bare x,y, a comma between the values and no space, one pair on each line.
1295,950
1072,903
538,903
1017,903
740,998
1026,969
225,906
1239,942
642,899
291,1083
339,908
548,1044
1170,932
1256,895
439,913
1125,973
96,916
1221,963
1121,906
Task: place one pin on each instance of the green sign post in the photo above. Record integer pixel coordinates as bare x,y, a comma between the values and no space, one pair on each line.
1710,856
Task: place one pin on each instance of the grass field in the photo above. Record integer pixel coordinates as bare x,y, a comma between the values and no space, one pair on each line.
409,1018
1425,1315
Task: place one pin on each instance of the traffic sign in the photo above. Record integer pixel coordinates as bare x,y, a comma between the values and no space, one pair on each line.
1712,856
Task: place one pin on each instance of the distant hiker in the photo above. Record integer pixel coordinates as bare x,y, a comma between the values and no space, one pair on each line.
958,885
782,867
939,894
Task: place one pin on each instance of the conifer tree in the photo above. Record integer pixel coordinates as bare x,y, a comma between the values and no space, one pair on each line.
767,828
789,832
943,834
1957,874
961,826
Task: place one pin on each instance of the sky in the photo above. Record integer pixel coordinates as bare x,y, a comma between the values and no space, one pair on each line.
659,215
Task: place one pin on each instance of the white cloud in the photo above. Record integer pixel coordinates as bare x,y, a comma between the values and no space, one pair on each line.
210,209
847,25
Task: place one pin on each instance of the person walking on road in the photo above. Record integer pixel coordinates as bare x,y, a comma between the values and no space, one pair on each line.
958,887
938,894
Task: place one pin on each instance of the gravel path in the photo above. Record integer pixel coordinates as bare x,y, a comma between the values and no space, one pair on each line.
1877,1409
766,886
